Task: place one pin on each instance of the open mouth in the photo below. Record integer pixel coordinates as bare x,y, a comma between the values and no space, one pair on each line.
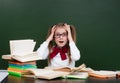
61,41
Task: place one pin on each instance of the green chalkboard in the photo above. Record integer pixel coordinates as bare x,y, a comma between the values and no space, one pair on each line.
97,23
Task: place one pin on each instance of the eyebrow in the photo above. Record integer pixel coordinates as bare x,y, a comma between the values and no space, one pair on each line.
60,33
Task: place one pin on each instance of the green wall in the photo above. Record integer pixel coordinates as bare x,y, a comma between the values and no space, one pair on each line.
97,23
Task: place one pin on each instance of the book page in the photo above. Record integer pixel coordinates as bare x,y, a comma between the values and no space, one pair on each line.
103,74
7,57
67,68
78,75
21,47
88,69
63,68
79,68
47,73
29,57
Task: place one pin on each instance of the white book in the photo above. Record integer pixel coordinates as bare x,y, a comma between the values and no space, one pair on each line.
22,50
29,57
21,47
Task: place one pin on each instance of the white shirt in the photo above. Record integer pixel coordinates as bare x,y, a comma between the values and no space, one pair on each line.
43,52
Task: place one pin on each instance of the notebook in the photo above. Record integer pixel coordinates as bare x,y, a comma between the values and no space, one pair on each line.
3,75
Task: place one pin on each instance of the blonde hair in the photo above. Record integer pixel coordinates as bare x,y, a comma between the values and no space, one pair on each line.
52,43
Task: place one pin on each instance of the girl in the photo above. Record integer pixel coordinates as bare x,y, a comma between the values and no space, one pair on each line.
59,47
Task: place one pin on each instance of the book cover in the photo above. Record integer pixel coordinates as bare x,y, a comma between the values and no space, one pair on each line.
22,63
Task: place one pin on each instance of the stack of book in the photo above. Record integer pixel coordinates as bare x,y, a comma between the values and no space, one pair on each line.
17,68
22,56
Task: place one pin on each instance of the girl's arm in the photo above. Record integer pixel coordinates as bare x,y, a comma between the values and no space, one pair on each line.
50,38
69,32
43,50
75,53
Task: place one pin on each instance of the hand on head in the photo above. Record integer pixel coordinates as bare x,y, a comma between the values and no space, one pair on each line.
53,30
50,38
67,27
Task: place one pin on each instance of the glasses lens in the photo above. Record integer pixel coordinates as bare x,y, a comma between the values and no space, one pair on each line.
59,35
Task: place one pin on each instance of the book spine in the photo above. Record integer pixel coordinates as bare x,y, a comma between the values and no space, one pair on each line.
20,63
15,70
14,73
22,67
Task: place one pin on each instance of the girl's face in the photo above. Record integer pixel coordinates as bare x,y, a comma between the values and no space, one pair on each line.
60,36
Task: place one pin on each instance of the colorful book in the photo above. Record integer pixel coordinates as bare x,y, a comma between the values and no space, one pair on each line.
16,68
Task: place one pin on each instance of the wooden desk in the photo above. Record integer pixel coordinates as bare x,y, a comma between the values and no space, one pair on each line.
14,79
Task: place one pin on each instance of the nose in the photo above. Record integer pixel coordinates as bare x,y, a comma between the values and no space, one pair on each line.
61,36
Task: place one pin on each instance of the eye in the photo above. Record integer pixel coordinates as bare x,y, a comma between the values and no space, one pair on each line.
57,34
64,34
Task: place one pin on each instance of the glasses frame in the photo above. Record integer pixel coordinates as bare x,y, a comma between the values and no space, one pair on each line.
58,35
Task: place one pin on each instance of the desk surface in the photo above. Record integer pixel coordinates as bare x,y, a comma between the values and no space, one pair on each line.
14,79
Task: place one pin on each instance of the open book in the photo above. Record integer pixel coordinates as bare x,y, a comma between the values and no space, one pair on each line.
51,73
67,68
21,47
43,73
77,75
103,74
100,73
22,50
29,57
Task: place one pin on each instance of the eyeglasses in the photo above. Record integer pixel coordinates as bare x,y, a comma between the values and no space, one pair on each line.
59,35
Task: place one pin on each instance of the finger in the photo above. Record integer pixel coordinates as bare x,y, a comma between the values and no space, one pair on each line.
53,29
53,26
66,24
